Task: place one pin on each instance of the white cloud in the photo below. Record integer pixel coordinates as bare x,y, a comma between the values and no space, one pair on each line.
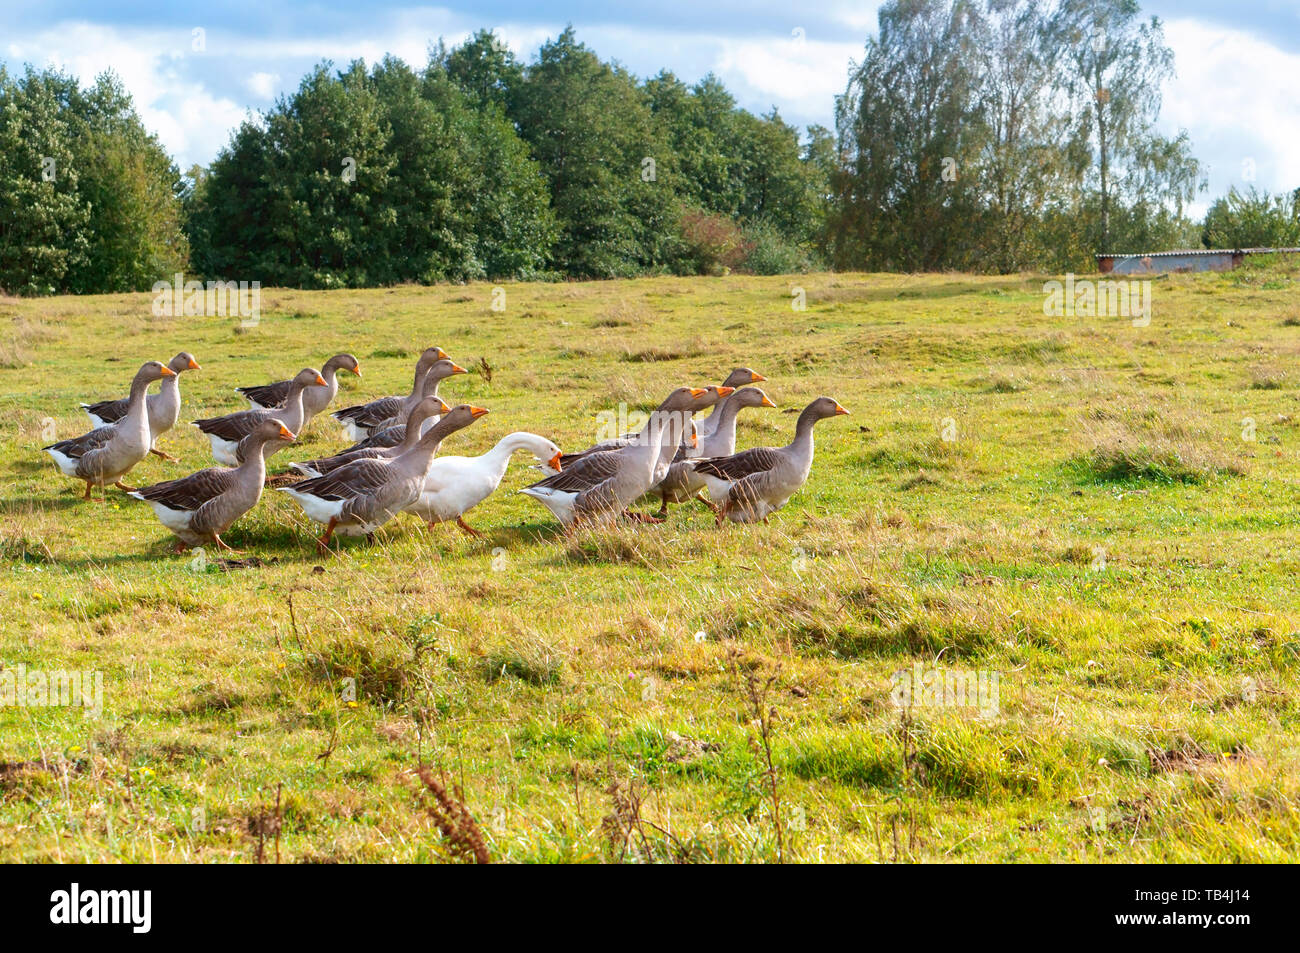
263,85
191,122
801,75
1233,100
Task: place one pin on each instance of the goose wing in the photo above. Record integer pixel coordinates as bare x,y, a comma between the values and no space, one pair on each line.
588,471
375,412
329,464
358,478
388,437
109,411
738,465
77,447
190,492
269,396
232,427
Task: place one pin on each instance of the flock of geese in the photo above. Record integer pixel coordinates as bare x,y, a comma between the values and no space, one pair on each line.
392,467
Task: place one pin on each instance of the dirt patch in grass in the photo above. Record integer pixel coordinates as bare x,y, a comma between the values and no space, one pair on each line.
1189,756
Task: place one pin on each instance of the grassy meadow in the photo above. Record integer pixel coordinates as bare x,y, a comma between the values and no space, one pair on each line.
1100,515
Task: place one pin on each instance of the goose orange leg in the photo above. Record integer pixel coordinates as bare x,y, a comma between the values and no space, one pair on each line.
164,454
460,521
641,517
123,487
222,543
706,501
323,544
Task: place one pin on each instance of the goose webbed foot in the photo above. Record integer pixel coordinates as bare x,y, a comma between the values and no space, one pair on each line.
222,544
640,517
468,529
706,501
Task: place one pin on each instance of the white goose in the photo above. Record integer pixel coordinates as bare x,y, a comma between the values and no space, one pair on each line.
455,485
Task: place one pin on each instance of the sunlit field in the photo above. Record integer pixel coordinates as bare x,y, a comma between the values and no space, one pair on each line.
1094,521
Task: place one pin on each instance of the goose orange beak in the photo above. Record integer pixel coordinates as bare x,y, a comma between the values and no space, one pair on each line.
194,365
698,392
285,434
457,369
446,407
555,460
357,370
477,412
726,391
755,377
320,381
839,409
767,402
442,355
695,441
168,372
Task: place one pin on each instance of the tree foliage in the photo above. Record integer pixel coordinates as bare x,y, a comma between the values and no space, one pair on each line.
89,200
1007,134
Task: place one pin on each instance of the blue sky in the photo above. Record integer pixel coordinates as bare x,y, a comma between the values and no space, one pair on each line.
1236,93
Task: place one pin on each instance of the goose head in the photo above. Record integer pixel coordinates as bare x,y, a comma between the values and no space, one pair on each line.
343,362
715,393
268,431
440,370
429,357
151,371
309,377
274,430
752,397
824,407
426,408
184,361
546,452
742,376
459,417
690,399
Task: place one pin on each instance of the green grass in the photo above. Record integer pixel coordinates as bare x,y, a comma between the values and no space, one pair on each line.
1069,504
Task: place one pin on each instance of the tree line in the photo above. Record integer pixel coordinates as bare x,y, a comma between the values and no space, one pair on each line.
981,135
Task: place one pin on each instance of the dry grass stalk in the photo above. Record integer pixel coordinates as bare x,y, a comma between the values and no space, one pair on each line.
459,829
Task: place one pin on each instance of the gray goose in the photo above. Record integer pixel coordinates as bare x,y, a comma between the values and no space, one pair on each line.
627,473
593,468
737,378
389,433
713,394
200,507
751,485
227,431
271,396
360,419
164,407
681,482
428,409
359,497
107,454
